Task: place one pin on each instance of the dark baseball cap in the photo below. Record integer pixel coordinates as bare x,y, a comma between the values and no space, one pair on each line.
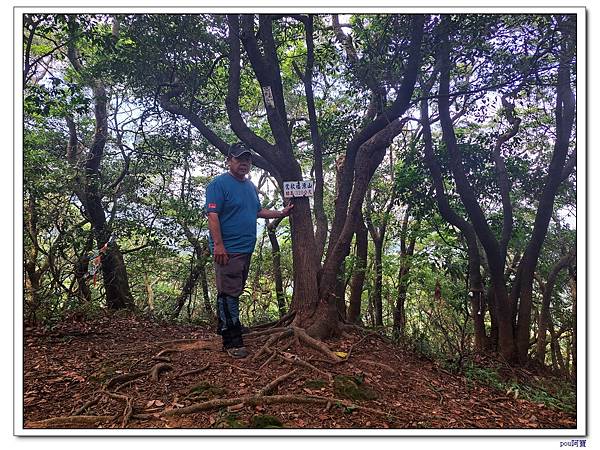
237,150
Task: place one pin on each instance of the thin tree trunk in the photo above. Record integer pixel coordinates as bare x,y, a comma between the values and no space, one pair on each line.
204,285
486,236
358,276
188,287
544,315
468,231
493,340
564,120
377,285
555,346
149,292
406,252
573,285
114,273
82,291
276,256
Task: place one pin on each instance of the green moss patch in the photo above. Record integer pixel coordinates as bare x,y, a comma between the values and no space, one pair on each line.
228,420
103,374
265,421
352,387
315,384
205,391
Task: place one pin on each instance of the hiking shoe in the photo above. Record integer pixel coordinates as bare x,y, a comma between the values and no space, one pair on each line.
237,352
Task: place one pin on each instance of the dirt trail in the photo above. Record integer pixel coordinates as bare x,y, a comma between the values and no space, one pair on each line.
117,372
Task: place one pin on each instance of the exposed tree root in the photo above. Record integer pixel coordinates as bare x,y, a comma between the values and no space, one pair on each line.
296,360
269,359
166,351
81,420
124,378
92,402
127,377
124,385
278,339
165,359
119,397
161,367
301,336
272,340
282,322
253,400
127,413
315,344
255,334
251,372
276,382
70,420
193,372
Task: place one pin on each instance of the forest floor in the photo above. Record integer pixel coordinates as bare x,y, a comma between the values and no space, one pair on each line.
119,371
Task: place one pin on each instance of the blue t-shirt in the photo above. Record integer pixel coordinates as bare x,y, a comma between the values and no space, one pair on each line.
237,204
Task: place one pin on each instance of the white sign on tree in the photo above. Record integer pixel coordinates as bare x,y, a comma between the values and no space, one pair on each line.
303,188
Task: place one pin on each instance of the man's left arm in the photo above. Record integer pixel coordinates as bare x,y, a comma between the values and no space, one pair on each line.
270,214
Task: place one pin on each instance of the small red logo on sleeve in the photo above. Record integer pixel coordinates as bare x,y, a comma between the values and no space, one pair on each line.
212,205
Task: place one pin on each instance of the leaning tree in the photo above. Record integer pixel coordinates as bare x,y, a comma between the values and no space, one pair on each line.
50,42
545,66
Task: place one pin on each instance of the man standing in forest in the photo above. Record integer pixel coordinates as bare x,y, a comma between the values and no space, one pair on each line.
233,206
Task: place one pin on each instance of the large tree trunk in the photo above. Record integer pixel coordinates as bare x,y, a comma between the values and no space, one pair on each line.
116,284
307,79
364,154
370,156
313,299
280,157
372,128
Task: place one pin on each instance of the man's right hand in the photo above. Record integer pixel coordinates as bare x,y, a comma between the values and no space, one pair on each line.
220,255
